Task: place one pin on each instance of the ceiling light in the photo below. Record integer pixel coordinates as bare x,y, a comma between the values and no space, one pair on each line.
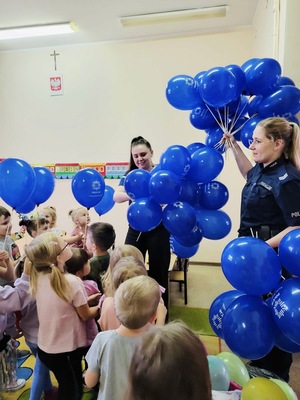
174,16
37,30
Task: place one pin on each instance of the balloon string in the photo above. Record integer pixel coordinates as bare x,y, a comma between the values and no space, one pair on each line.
138,237
220,123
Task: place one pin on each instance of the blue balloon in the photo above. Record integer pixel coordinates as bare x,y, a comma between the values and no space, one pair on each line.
156,168
286,310
254,105
236,127
239,76
249,64
289,251
195,146
199,76
17,181
218,309
189,192
44,185
219,375
191,239
182,92
203,118
136,184
144,215
251,265
107,202
247,130
206,164
179,218
26,207
165,186
215,224
182,251
248,327
286,344
262,77
218,87
214,195
176,159
214,140
88,187
284,80
284,102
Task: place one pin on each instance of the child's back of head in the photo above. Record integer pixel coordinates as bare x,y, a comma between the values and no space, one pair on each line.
127,268
75,265
102,235
136,301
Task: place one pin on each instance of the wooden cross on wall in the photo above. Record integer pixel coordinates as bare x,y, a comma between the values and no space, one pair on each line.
54,54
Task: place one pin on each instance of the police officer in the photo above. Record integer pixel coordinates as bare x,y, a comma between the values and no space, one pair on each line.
270,206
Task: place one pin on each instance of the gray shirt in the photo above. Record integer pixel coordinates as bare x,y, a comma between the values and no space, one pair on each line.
110,356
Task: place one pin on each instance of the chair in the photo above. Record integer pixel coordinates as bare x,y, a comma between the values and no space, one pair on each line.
179,274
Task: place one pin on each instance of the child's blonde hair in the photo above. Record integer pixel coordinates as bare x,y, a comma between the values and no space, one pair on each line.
136,301
74,213
52,212
119,252
127,268
43,252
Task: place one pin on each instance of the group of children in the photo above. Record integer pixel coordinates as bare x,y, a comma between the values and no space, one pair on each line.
81,299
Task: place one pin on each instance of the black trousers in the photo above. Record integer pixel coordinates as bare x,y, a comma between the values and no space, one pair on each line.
277,361
157,243
68,372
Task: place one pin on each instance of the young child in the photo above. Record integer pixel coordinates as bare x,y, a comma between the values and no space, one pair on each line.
100,238
34,226
126,268
80,217
12,299
79,265
109,357
115,256
7,274
169,363
62,333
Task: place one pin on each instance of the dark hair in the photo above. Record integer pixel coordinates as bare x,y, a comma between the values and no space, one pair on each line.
33,224
79,258
4,211
102,234
135,142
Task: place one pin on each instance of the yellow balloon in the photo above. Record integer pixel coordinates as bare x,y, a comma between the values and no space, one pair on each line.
290,394
237,370
262,389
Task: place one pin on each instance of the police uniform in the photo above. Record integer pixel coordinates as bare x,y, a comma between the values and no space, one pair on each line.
271,203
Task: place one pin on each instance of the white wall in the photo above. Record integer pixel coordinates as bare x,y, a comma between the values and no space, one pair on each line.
113,92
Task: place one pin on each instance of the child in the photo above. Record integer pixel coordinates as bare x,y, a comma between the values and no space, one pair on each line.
79,265
7,275
12,299
126,268
116,255
109,357
80,217
62,333
100,238
35,226
169,363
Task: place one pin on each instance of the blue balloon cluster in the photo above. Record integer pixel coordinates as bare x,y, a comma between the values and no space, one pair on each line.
250,325
235,98
182,193
24,187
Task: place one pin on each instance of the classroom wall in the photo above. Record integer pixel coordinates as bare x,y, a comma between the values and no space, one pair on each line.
113,92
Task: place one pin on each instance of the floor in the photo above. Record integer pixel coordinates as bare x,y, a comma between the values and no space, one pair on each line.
205,283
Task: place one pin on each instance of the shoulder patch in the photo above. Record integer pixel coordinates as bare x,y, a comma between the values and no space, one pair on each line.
283,177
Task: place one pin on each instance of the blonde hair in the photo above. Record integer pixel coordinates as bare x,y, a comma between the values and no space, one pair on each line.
52,212
75,212
43,252
280,128
169,363
119,252
136,301
127,268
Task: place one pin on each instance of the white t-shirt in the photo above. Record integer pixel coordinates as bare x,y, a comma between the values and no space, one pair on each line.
61,329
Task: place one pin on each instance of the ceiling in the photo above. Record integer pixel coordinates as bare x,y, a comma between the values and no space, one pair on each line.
99,20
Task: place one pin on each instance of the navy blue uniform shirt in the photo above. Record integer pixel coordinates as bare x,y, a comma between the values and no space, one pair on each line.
271,196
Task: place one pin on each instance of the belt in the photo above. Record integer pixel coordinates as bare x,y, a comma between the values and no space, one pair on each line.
263,232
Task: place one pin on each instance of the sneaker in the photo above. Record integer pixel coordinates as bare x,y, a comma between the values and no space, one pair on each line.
23,353
18,385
